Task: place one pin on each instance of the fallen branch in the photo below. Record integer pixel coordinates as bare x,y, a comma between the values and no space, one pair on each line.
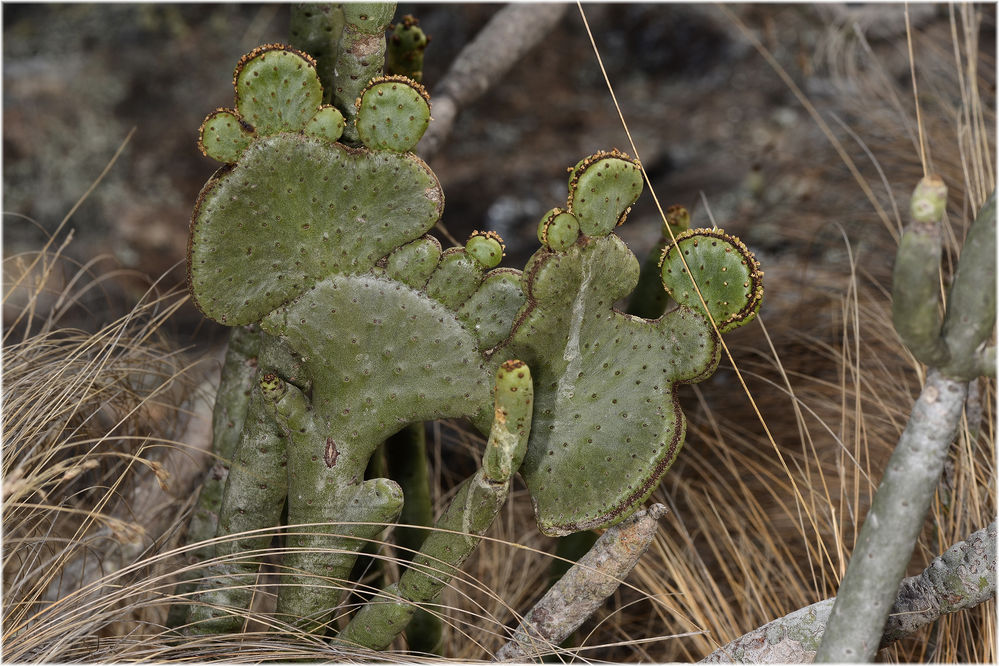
505,39
961,578
582,590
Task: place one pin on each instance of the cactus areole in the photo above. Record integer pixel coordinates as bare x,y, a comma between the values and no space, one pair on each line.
325,245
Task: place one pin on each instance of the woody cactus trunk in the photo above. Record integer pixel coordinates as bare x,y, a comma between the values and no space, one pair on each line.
354,324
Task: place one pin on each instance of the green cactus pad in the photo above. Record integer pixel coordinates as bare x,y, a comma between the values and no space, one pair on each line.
295,209
486,248
602,189
558,230
457,277
393,112
726,272
223,137
277,89
414,263
606,421
368,17
386,354
326,124
490,312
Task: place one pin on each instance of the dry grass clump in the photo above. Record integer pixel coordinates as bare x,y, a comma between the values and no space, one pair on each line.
767,496
89,426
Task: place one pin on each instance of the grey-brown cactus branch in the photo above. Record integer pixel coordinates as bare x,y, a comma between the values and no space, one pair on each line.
884,547
960,579
505,39
584,588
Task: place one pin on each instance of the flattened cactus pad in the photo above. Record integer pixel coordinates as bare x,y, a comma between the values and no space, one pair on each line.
607,424
727,274
296,207
602,188
393,112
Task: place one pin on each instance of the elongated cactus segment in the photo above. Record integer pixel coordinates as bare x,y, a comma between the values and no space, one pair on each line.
393,112
726,272
239,371
361,57
916,312
405,47
254,498
971,303
948,341
315,28
466,518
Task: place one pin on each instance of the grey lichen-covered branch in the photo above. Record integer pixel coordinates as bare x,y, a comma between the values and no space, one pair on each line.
961,578
509,35
582,590
951,348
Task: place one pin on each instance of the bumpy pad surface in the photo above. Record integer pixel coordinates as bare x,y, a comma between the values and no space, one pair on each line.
725,271
606,423
296,209
386,354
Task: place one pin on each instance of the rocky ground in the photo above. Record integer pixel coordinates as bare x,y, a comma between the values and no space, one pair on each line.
716,128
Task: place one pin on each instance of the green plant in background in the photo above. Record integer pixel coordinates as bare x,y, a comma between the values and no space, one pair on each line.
367,329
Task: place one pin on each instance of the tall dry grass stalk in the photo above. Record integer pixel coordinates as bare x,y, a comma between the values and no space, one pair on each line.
91,552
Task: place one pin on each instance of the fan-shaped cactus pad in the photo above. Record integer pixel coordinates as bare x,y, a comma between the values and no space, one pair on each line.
727,274
296,209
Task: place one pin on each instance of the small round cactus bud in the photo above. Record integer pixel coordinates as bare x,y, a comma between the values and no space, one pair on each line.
486,248
326,124
929,200
223,136
393,112
677,220
558,230
272,386
405,46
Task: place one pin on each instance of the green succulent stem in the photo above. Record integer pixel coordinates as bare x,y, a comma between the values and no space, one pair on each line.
315,28
239,369
406,45
361,56
971,302
254,498
406,457
916,311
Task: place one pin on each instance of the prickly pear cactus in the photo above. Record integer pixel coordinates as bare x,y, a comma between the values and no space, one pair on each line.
324,245
607,424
